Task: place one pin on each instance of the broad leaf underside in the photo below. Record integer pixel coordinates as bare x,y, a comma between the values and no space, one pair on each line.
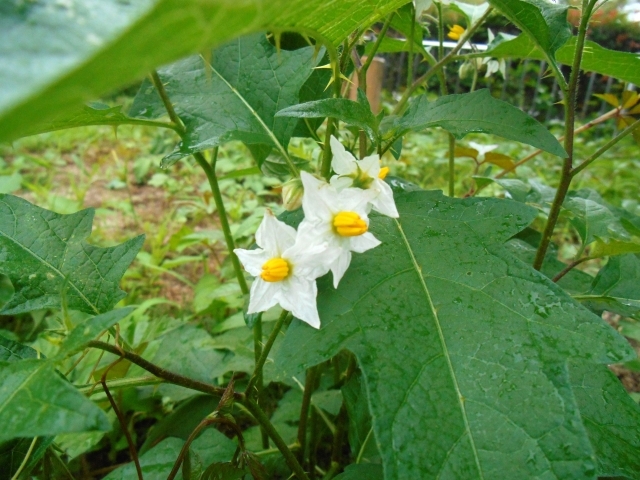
462,346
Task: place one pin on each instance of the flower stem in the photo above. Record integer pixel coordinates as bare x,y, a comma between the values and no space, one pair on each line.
309,386
570,111
265,353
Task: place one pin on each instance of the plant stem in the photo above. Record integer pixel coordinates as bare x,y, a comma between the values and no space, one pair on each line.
440,31
265,353
325,169
452,163
410,56
120,383
289,457
570,108
309,386
170,377
605,147
25,460
173,116
376,45
123,424
196,431
570,267
442,62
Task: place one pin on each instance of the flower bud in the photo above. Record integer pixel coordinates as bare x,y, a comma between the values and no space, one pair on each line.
292,192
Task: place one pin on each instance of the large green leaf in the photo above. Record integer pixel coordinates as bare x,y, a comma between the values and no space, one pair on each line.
544,23
622,65
56,55
36,401
46,256
11,351
236,97
612,420
472,112
616,288
461,345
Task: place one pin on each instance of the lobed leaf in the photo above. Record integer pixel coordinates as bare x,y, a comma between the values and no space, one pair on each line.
58,55
472,112
461,345
235,97
45,257
36,401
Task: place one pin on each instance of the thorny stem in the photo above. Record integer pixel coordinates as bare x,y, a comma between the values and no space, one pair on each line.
196,431
167,375
309,385
289,457
606,147
123,423
570,107
265,353
442,62
570,267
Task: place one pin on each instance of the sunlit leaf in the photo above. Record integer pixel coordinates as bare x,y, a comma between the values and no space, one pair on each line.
462,346
46,256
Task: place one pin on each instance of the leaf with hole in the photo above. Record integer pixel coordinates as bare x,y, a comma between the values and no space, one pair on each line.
461,345
46,256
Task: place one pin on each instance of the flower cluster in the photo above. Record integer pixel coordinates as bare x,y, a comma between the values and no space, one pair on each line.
336,223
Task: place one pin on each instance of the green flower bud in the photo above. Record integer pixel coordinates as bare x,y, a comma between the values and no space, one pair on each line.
292,192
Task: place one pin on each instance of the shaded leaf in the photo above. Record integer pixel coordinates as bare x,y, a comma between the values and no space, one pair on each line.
88,330
361,471
45,255
12,454
472,112
36,401
600,248
235,97
355,400
56,56
11,351
544,23
616,288
611,417
223,471
462,346
622,65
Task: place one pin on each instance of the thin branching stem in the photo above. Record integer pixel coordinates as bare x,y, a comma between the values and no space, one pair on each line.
570,110
570,267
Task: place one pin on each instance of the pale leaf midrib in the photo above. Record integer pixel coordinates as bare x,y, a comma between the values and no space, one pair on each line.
445,350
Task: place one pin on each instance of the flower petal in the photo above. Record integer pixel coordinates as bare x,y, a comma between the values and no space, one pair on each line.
370,165
317,199
273,235
340,265
252,260
364,242
384,202
343,163
341,182
263,295
301,300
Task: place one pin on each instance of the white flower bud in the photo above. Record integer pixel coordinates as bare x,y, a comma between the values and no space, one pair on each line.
292,192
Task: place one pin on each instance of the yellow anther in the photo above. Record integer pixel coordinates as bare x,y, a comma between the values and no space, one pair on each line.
455,32
275,270
383,173
349,224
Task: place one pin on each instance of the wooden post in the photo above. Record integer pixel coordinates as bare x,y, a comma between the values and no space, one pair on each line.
375,75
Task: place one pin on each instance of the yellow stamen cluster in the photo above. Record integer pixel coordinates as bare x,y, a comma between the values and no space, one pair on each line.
384,171
275,270
455,32
349,224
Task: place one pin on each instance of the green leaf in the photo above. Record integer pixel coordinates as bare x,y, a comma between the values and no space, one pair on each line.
88,330
11,351
616,288
352,113
223,471
360,429
543,22
600,248
10,183
472,112
46,256
211,446
361,471
56,56
622,65
36,401
461,345
233,98
13,453
611,418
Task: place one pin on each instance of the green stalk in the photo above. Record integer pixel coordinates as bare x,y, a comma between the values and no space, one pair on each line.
309,386
410,56
570,108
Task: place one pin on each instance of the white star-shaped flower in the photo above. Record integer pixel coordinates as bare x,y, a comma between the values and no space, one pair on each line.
337,218
285,266
365,174
482,149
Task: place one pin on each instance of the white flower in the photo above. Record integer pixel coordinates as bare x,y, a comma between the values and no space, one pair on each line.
482,149
365,174
285,266
339,219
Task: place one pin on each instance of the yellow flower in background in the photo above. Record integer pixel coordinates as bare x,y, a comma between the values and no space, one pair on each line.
455,32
